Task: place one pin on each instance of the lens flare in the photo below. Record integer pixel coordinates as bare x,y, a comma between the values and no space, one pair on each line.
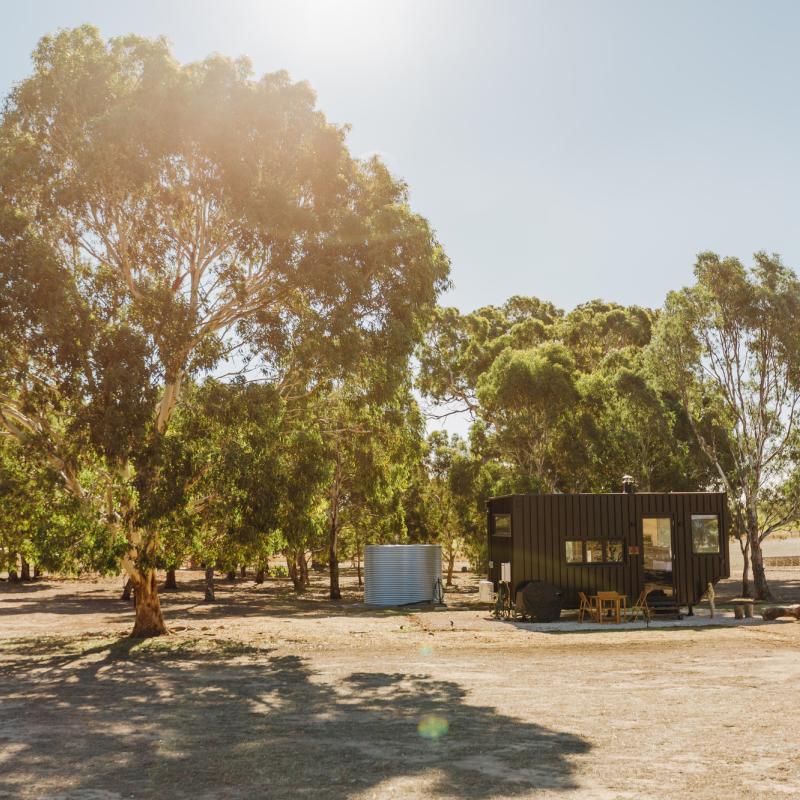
432,727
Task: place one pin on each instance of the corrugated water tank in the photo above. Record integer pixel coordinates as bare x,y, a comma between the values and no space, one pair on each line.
396,574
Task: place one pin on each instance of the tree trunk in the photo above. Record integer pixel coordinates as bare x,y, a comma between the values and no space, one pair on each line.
37,573
25,570
333,560
295,572
231,576
745,548
243,571
127,590
303,566
13,576
260,575
210,597
762,590
149,619
171,582
358,566
451,563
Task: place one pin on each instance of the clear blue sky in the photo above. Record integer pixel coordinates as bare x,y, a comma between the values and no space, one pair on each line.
564,149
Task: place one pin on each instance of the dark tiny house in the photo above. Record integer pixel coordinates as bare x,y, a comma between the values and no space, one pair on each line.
626,542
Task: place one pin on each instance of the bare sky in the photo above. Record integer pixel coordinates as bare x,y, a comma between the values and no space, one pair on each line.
564,149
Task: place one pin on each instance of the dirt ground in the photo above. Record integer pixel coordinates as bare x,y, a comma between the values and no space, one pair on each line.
263,695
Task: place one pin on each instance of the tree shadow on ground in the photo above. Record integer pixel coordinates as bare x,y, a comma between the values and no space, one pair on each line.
167,719
240,600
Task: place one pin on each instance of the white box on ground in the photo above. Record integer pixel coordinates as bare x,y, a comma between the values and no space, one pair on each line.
486,592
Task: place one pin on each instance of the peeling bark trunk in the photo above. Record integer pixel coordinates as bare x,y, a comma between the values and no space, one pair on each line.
171,581
260,575
210,597
149,619
760,585
25,570
303,566
762,590
127,590
333,561
745,548
295,572
451,563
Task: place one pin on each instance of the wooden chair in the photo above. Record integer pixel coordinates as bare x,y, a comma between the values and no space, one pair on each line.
640,608
587,606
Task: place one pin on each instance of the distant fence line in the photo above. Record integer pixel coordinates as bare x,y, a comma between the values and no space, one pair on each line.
782,561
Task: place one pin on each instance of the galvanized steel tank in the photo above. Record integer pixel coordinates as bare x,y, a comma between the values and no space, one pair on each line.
396,574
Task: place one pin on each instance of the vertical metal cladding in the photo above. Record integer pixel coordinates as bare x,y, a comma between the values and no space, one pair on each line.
396,574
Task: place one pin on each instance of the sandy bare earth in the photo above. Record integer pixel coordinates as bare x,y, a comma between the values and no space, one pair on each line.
264,696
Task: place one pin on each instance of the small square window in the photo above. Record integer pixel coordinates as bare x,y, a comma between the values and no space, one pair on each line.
502,524
594,551
615,551
574,550
705,533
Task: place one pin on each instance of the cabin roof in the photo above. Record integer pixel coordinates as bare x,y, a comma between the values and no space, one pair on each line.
599,494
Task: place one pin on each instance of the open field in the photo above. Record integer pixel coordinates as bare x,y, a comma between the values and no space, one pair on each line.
265,695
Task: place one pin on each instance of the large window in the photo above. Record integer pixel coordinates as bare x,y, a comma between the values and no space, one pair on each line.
502,524
705,533
657,536
596,551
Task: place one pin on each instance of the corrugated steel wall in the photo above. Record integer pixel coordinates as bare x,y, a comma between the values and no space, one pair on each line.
542,523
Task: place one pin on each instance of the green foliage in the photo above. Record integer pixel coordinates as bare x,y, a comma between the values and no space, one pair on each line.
159,220
729,347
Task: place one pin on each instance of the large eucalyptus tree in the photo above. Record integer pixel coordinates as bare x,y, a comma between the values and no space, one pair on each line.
183,214
729,347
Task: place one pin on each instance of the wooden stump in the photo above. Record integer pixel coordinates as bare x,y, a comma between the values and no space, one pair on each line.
742,607
773,612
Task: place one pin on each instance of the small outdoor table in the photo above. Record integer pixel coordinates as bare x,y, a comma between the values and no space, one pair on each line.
619,601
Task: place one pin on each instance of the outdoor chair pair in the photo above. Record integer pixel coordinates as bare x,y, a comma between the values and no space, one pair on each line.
638,609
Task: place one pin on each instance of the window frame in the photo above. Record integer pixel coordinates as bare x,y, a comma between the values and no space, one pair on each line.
695,551
585,550
494,525
582,543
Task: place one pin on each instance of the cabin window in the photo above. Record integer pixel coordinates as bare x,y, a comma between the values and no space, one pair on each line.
705,533
598,551
615,551
574,551
502,524
594,551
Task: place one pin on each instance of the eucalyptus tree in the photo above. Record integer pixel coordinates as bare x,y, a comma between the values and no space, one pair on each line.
528,398
43,525
370,443
458,348
729,346
183,212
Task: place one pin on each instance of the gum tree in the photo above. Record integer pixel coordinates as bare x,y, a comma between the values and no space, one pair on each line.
730,347
185,211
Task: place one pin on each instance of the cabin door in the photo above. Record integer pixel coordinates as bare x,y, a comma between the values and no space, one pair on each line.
658,561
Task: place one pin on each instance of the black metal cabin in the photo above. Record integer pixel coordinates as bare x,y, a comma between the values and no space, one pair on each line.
623,542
